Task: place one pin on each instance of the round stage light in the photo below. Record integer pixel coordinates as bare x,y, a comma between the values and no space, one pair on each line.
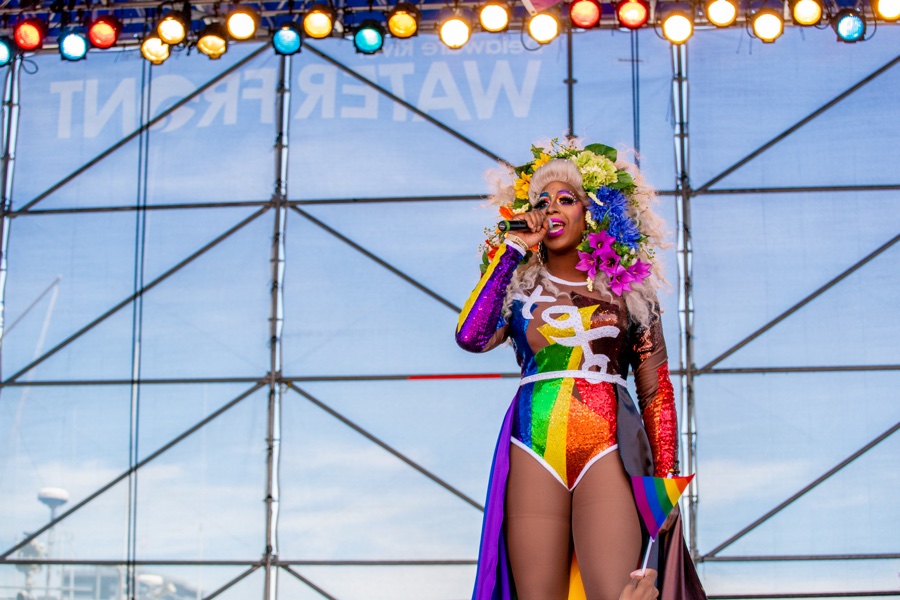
455,31
172,28
806,12
721,13
368,37
103,32
767,25
242,22
7,51
319,21
543,28
849,25
403,20
154,49
286,39
632,14
29,34
585,13
213,40
494,17
677,27
886,10
73,44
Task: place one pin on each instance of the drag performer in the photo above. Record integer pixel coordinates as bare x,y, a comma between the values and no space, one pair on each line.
576,294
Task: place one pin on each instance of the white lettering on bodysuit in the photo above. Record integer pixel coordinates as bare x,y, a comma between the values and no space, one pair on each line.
530,300
581,338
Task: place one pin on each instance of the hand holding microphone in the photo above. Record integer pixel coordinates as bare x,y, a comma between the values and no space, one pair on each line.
530,227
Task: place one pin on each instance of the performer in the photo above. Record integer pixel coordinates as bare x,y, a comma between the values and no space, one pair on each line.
575,293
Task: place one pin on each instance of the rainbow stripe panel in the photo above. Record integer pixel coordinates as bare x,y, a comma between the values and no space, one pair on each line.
655,497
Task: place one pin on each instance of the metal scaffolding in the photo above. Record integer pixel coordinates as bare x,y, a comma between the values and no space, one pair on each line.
278,384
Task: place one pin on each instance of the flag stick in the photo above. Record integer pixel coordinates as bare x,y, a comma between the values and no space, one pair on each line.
647,557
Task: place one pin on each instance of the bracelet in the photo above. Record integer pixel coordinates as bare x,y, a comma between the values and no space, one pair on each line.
517,240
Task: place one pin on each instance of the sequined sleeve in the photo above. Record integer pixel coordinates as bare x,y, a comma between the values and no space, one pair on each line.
481,325
656,396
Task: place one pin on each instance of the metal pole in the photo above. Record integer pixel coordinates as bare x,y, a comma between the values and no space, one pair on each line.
10,129
685,275
570,83
276,322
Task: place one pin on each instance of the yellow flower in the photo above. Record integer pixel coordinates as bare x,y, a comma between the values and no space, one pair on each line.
540,161
521,186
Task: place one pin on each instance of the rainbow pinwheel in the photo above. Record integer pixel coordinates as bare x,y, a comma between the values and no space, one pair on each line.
655,498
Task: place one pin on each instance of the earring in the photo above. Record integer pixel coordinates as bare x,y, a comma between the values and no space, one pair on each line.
542,253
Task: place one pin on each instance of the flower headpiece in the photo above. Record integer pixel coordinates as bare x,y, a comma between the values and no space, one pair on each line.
614,243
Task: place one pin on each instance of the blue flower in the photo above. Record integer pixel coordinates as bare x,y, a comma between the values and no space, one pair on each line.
624,229
609,201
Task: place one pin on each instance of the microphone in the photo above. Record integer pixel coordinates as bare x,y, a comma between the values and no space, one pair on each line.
512,226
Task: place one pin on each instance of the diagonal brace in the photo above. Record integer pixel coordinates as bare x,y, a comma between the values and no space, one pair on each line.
312,585
705,187
159,451
378,260
712,553
146,126
407,105
850,270
385,446
132,297
240,577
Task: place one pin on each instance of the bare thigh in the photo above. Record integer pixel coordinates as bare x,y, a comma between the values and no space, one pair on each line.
605,528
538,530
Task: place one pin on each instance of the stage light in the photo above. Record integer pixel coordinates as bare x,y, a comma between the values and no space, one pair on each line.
368,37
543,28
73,43
585,13
886,10
103,32
455,30
154,49
213,40
286,39
319,21
677,27
806,12
767,25
632,14
7,51
173,27
403,20
850,25
721,13
29,34
242,22
494,16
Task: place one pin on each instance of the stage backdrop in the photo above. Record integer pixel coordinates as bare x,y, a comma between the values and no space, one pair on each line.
179,296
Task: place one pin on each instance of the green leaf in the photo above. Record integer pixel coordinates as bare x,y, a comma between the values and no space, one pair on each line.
602,150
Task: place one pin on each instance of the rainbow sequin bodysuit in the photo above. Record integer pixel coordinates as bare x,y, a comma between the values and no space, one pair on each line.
574,347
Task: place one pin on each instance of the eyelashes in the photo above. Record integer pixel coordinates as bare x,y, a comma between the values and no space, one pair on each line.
564,198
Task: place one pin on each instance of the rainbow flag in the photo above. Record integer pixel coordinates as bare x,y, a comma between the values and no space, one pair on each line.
656,497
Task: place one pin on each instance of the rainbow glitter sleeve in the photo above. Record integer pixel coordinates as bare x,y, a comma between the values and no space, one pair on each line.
662,425
480,318
656,396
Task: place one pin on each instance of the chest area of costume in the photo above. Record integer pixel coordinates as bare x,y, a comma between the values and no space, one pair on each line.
568,331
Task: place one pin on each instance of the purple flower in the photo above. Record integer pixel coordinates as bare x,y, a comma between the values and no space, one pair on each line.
639,271
588,263
619,280
608,260
600,241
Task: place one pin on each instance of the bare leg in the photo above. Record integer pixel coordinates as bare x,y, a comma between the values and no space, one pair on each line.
538,514
605,528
